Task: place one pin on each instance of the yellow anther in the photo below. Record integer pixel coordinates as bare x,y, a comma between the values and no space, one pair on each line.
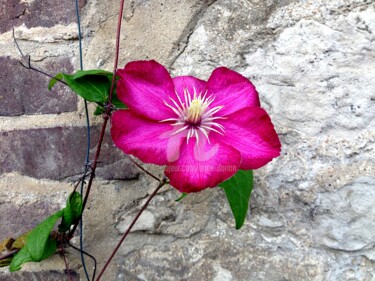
195,111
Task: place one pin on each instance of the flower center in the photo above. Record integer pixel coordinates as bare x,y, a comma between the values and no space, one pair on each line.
194,115
195,111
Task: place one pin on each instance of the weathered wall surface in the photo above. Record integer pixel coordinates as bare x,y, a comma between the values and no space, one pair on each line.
312,212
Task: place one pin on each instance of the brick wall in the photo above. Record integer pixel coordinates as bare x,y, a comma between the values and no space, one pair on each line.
42,132
312,212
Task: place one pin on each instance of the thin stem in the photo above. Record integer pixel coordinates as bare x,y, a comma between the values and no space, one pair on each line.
92,174
66,263
118,34
18,47
7,255
87,254
85,174
29,66
27,61
160,185
107,113
141,168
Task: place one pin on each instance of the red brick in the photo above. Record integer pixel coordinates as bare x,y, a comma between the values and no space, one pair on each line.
38,13
24,91
58,153
16,220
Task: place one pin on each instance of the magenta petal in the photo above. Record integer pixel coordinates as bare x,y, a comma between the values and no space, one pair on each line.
251,132
148,140
189,83
144,86
231,90
202,166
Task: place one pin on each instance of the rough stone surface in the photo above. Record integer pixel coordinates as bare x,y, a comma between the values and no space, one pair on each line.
347,227
154,30
50,275
25,91
311,214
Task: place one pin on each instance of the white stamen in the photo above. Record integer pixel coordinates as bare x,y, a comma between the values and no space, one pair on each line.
212,111
212,129
180,130
177,106
194,115
214,124
214,118
170,119
171,107
204,133
179,123
182,104
196,136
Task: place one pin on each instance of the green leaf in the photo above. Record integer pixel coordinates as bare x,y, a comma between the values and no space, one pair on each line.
37,241
99,110
117,103
54,80
72,211
93,88
115,100
49,249
92,85
183,195
238,190
19,259
82,73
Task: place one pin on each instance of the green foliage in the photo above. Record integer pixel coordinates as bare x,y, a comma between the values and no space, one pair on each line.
99,110
238,190
72,211
39,244
92,72
92,85
116,102
37,241
22,257
183,195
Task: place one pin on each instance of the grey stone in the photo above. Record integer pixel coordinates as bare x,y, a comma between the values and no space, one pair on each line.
147,221
48,275
122,169
344,218
311,212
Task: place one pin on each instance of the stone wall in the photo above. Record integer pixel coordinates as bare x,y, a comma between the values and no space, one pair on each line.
312,214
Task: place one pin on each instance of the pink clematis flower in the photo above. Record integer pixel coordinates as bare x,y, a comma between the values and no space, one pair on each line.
202,131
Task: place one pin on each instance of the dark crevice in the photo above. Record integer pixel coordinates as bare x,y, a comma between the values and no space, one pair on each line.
183,41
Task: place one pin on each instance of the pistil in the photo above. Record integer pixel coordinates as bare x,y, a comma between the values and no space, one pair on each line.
193,115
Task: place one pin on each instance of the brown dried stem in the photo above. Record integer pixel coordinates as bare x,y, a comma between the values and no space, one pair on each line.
160,185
